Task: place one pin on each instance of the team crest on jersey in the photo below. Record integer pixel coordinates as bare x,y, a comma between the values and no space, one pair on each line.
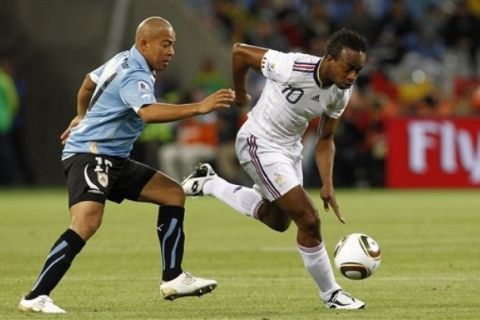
143,87
102,178
278,178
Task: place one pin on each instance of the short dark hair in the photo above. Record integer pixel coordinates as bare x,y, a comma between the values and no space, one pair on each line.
345,38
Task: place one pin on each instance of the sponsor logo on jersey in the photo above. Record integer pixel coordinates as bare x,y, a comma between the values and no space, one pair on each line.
143,87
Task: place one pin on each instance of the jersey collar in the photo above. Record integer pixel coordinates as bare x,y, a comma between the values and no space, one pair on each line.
316,74
140,59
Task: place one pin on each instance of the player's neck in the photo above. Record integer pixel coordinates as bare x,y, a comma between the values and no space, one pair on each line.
321,83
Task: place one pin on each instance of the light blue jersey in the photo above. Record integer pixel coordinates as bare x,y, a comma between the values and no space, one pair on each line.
111,125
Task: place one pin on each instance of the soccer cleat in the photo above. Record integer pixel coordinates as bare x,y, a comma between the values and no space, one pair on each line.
342,300
42,304
193,184
186,285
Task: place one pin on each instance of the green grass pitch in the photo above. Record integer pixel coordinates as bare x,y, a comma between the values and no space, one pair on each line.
430,269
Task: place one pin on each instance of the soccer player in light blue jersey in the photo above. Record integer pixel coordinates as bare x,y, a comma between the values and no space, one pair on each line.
113,105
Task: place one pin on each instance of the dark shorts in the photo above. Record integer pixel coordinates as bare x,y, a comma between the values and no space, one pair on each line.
92,177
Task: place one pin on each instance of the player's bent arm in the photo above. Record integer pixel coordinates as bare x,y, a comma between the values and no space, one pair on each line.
245,57
325,149
165,112
84,95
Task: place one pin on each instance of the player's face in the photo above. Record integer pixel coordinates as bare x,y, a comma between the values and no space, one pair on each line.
159,50
345,69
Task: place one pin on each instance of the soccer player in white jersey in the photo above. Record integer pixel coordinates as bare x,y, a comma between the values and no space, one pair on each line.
298,88
114,102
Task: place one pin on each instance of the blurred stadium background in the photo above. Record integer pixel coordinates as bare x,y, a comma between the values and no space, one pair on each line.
412,121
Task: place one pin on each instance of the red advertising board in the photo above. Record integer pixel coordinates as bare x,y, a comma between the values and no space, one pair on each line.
433,152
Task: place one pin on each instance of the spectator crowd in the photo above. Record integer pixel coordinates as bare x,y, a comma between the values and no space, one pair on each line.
424,60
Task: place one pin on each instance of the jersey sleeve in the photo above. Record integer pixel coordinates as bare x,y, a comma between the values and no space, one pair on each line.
95,74
277,66
337,107
137,90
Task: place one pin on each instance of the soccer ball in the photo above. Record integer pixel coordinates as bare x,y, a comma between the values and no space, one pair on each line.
357,256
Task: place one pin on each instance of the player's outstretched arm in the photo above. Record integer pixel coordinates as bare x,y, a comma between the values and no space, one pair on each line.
245,57
164,112
324,156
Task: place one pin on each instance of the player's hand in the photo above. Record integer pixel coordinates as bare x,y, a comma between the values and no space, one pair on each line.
243,100
222,98
328,198
64,136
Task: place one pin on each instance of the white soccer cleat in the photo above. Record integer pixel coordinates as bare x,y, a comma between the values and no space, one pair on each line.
342,300
43,304
193,184
186,285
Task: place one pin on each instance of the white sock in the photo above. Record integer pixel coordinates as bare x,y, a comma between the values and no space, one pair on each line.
318,265
244,200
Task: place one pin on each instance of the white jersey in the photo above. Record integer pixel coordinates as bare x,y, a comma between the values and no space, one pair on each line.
291,98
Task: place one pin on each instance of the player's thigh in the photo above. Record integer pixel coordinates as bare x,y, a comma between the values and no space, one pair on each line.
162,190
133,179
86,218
303,213
297,203
140,182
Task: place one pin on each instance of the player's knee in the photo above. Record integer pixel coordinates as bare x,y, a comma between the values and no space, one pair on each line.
91,228
86,228
176,195
311,222
282,225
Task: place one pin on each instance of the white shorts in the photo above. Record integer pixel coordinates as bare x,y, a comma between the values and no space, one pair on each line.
273,171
